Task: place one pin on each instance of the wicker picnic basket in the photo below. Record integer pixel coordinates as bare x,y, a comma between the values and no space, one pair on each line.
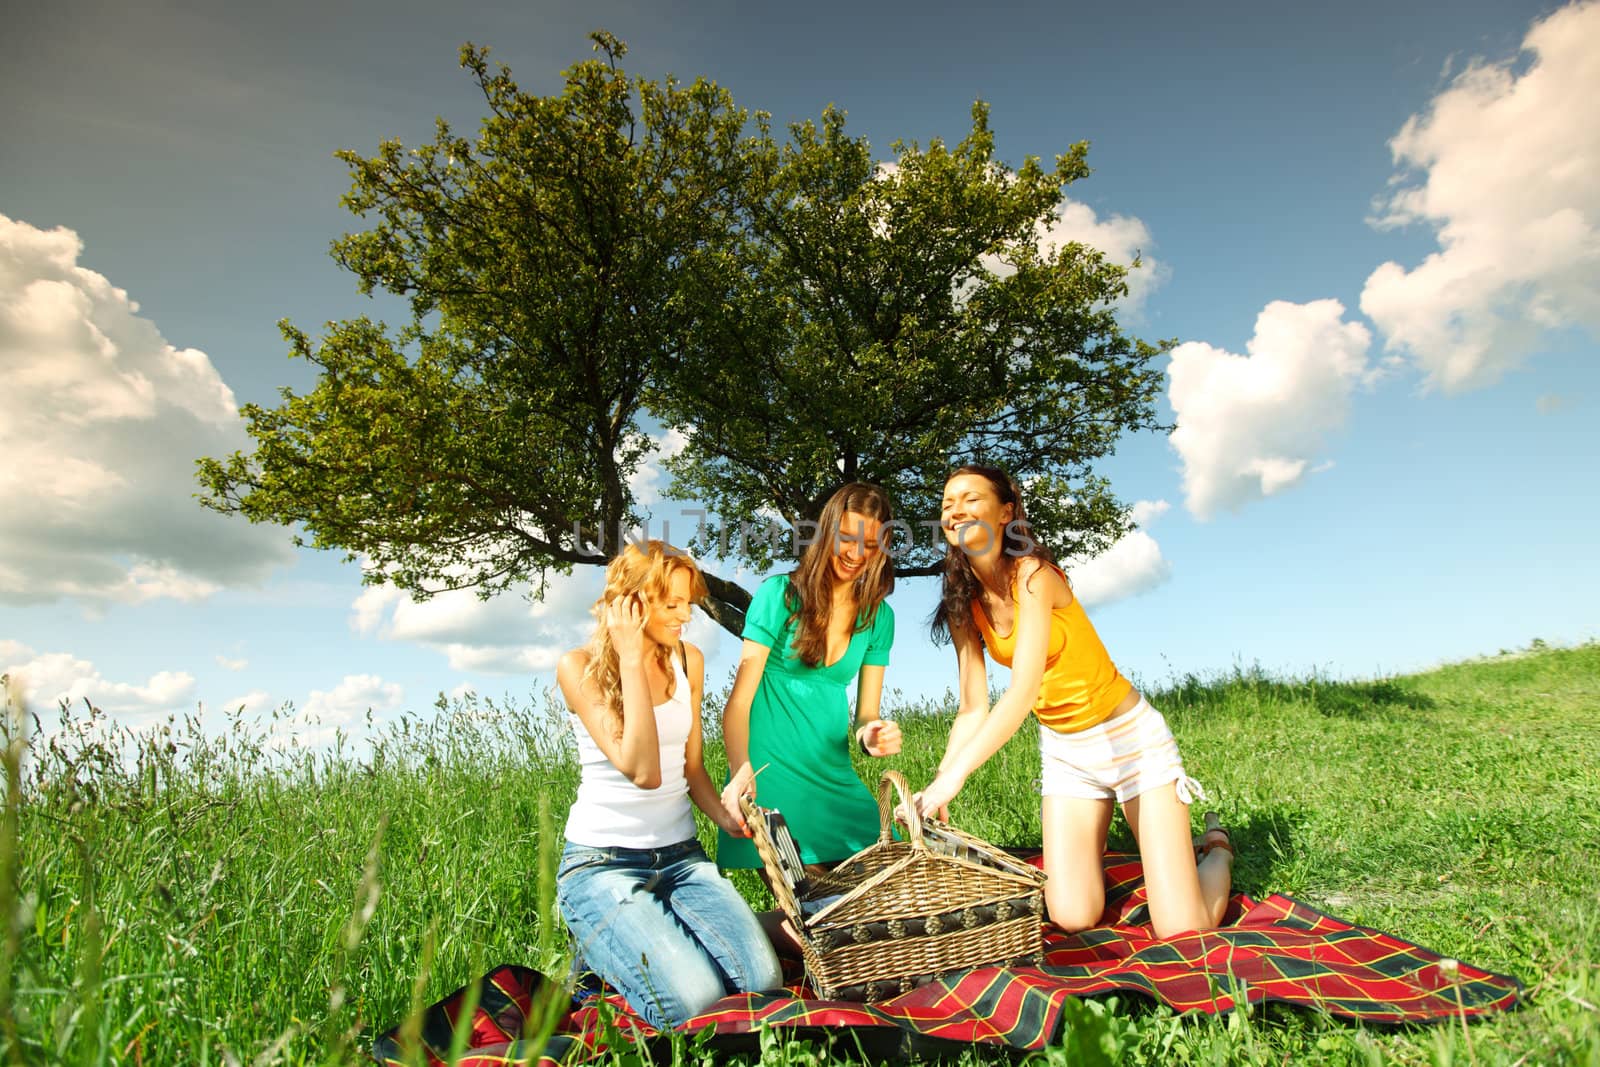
906,911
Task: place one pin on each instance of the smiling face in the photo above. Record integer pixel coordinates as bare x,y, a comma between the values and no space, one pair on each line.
855,546
666,618
972,515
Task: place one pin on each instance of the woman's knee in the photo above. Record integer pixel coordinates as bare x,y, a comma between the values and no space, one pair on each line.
698,982
764,971
1073,920
690,991
711,910
1166,928
1177,907
743,950
1075,911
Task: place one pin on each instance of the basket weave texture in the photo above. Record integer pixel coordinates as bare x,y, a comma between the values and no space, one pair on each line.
907,911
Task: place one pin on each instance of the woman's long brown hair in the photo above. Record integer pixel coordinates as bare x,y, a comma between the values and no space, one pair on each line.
645,569
959,586
810,595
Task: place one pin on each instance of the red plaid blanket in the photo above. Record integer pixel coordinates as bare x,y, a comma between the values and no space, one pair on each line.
1273,949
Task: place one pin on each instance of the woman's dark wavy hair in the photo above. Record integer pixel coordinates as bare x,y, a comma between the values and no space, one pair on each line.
959,585
810,594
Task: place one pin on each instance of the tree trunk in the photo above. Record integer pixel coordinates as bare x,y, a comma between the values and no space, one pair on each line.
727,603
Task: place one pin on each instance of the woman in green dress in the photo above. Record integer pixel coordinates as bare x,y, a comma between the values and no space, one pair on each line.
807,636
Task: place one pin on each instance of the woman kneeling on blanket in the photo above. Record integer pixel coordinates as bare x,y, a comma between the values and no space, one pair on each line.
650,913
1099,740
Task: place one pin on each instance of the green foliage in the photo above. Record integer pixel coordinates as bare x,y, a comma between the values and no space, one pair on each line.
625,249
540,263
890,320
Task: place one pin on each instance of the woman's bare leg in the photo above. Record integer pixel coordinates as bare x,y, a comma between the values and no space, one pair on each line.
1216,883
1216,866
1182,896
785,941
777,926
1074,842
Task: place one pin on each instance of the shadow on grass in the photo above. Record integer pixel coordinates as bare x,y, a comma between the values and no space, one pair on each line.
1360,700
1256,688
1265,855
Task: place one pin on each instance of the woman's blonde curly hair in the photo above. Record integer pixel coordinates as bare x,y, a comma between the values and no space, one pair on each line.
644,568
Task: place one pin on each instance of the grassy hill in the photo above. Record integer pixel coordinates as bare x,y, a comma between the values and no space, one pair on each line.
184,899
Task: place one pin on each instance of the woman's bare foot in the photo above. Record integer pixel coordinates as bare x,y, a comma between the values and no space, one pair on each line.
1214,836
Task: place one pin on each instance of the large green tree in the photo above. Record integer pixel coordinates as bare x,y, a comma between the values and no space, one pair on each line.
492,438
629,248
880,322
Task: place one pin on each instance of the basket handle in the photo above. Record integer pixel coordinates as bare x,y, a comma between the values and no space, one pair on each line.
895,782
756,819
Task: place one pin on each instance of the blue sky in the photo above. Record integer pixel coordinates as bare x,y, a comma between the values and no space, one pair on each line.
1373,229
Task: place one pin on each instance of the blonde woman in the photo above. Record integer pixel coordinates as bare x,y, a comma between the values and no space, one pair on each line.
649,911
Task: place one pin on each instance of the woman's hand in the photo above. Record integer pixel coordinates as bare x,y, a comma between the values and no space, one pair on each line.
879,737
733,826
625,618
935,800
742,784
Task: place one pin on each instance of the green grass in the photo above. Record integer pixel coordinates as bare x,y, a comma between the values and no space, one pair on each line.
178,899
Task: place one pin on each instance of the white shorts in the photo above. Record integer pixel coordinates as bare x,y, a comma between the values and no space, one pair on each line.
1120,758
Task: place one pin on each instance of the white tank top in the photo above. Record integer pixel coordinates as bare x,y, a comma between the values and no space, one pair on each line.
611,810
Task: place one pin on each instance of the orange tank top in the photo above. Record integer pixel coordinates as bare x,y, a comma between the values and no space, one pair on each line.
1081,687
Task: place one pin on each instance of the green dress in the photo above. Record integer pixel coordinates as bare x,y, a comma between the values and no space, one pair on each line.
800,730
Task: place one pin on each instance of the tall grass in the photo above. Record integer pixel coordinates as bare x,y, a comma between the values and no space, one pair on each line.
184,898
176,897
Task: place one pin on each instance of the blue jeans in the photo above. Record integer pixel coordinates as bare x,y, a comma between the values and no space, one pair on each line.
663,928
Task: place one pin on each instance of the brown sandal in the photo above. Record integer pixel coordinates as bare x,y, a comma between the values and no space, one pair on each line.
1215,835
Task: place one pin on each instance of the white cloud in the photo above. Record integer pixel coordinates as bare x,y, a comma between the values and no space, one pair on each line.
48,678
1251,426
101,421
507,634
1552,403
45,679
228,664
1131,566
1121,237
254,703
649,479
704,633
342,708
1507,170
350,700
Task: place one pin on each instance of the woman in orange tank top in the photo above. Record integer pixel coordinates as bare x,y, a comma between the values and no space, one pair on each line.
1100,742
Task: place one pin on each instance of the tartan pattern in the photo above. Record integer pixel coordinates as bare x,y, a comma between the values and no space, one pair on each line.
495,1028
1273,949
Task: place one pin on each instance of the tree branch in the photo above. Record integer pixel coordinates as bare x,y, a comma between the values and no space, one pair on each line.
727,603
